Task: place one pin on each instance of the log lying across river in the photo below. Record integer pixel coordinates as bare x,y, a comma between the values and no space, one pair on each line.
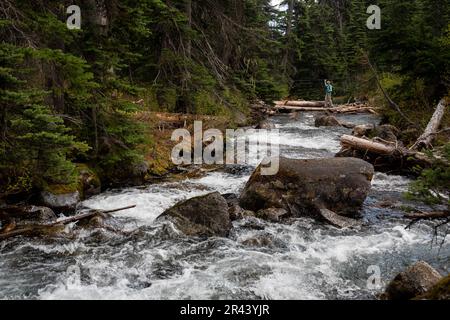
295,106
301,104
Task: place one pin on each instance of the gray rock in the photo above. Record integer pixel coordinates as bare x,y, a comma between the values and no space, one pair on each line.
272,214
414,281
201,216
259,241
59,202
363,130
339,221
327,121
28,214
304,187
265,125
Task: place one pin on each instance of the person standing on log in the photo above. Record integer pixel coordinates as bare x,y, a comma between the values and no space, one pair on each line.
328,94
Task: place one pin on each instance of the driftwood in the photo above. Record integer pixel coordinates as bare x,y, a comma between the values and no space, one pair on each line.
429,134
54,226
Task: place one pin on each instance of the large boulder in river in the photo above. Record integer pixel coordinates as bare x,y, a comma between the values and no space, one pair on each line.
61,201
327,121
201,216
413,282
14,215
316,188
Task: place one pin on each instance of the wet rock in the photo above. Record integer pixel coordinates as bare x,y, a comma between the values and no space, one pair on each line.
131,175
234,209
39,214
237,213
413,282
327,121
440,291
304,187
61,202
272,214
265,125
347,125
363,130
28,214
97,221
339,221
201,216
259,241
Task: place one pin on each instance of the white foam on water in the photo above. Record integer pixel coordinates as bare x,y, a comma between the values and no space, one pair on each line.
306,260
385,182
310,268
152,201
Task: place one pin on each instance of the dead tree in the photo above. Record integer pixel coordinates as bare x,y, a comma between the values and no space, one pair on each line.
56,226
426,139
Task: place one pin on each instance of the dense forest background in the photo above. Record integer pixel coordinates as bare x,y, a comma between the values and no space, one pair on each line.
70,97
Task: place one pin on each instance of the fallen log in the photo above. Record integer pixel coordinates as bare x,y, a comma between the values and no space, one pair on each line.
426,139
384,155
337,109
295,109
304,104
367,145
31,230
88,215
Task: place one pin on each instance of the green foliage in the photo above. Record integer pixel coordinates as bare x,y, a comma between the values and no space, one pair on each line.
35,145
433,186
70,96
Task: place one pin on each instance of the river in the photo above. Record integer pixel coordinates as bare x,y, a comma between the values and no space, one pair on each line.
151,260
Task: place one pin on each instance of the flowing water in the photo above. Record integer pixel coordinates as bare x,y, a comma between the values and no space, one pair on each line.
152,260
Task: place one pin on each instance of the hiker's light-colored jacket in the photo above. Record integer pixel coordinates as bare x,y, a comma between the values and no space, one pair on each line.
328,88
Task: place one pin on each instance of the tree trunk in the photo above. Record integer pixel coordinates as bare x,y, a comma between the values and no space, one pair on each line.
427,137
366,145
289,15
304,104
189,18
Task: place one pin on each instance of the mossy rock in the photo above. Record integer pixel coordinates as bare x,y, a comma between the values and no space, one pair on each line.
89,182
60,189
441,291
